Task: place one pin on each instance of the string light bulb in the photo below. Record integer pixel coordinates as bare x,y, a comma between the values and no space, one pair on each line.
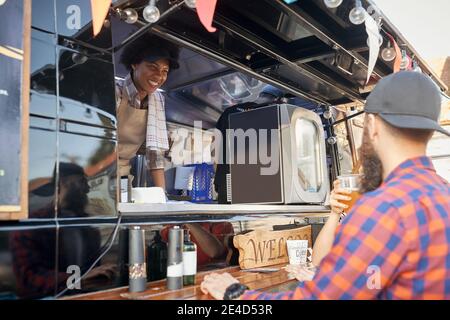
151,13
416,67
332,3
79,58
327,114
332,140
388,54
130,15
405,61
358,13
191,3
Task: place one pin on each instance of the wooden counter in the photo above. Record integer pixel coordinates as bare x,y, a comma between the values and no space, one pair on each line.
274,281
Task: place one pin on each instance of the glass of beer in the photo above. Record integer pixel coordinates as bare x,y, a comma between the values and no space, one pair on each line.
352,183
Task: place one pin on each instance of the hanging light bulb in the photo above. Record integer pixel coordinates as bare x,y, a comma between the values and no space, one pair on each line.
327,114
79,58
405,61
332,3
388,54
130,15
151,12
358,13
416,67
191,3
332,140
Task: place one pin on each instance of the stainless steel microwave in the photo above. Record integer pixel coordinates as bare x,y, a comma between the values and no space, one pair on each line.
277,156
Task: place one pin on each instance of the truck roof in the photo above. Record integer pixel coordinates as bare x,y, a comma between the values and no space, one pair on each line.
295,45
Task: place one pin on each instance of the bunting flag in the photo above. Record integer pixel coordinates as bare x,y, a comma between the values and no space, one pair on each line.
99,10
374,44
205,12
398,52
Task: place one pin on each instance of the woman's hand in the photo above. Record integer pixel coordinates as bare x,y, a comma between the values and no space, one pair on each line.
216,284
338,194
301,273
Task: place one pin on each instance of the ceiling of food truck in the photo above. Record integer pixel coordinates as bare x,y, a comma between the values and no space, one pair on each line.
304,48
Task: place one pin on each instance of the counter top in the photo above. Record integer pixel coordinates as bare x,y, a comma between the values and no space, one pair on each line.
273,281
174,208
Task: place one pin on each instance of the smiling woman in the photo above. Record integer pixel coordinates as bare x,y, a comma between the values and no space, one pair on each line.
141,111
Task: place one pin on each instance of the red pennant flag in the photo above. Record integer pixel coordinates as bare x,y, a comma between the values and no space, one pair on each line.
205,12
398,57
99,12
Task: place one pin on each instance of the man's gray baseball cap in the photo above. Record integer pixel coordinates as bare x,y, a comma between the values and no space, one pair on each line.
407,99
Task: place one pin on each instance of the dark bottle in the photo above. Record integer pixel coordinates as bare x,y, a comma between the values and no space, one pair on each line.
189,260
156,259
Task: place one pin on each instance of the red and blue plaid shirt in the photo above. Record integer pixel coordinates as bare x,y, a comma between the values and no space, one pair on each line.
394,244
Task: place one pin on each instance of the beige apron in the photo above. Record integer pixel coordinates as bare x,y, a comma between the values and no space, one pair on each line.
132,129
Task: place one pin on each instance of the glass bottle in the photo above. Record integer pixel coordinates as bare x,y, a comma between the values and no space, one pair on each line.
189,259
156,259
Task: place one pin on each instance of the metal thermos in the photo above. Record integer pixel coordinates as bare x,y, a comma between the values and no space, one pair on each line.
175,259
137,270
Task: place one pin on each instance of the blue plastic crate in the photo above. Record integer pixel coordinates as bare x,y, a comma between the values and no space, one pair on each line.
203,184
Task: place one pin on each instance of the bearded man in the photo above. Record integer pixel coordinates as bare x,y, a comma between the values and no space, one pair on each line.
395,241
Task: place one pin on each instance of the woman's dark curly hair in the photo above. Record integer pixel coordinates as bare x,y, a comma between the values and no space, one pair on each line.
148,45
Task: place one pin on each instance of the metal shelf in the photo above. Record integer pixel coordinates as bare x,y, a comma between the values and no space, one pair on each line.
150,209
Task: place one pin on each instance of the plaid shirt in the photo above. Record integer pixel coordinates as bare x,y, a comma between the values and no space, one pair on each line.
394,244
133,95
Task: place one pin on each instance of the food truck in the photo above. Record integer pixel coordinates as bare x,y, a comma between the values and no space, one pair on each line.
69,224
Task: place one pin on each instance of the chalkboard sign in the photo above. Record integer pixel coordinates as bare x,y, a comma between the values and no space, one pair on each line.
15,16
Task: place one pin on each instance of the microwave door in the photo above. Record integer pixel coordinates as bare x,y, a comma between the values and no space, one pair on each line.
304,159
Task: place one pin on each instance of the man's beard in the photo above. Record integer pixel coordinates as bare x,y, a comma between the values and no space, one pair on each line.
372,175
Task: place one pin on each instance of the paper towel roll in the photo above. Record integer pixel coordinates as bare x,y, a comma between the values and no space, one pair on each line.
149,195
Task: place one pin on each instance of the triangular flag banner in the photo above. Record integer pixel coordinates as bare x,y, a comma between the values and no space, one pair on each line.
205,12
99,12
374,44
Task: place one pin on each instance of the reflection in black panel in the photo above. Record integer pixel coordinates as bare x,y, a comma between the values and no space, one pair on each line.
11,45
74,20
43,15
79,247
307,84
42,160
86,88
210,254
27,263
94,193
43,74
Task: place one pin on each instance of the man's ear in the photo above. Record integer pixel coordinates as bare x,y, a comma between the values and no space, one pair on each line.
372,126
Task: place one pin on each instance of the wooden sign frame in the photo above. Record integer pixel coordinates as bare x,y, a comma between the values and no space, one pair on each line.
261,248
20,211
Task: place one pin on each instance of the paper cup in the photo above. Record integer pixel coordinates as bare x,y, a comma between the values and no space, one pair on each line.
298,252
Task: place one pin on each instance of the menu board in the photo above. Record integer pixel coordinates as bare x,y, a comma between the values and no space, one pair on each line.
15,16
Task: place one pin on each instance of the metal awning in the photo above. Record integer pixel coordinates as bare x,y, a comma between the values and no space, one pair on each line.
298,47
